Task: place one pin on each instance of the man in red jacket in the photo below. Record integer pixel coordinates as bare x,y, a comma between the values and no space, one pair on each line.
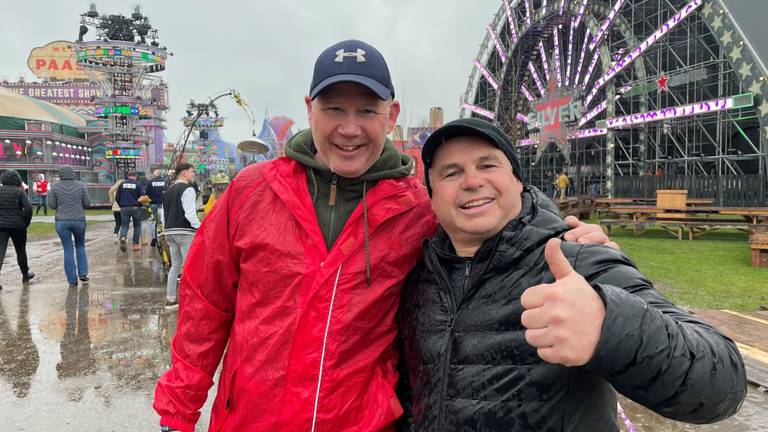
298,271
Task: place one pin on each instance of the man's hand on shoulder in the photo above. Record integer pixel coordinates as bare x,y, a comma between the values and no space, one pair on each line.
564,319
587,233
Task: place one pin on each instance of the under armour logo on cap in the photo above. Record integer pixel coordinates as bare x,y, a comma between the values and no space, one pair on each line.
365,66
340,54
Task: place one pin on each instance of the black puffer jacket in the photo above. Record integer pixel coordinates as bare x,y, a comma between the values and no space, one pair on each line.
15,209
469,367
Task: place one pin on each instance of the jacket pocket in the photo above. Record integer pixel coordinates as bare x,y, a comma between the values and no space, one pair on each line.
223,406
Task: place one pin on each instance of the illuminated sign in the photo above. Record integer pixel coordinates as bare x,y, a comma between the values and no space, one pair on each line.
553,112
487,75
123,153
497,43
56,92
477,110
205,123
740,101
117,110
55,60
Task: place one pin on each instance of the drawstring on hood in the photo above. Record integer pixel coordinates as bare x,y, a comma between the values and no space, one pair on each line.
335,197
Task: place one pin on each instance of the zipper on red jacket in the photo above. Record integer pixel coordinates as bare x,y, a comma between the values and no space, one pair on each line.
322,355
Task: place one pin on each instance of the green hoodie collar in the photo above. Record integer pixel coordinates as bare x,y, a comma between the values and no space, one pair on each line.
391,164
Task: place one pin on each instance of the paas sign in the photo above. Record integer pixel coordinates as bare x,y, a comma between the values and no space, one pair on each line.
55,60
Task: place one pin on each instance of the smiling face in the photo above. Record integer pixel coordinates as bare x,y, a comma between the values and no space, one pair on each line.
350,125
474,191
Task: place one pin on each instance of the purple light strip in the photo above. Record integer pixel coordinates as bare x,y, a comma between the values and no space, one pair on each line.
527,142
510,19
544,62
595,57
580,14
477,110
562,7
497,42
577,73
527,11
527,94
710,106
522,118
570,57
586,133
639,50
544,5
536,78
606,24
558,73
486,74
600,108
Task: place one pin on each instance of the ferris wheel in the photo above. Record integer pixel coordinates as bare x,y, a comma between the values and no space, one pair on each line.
620,87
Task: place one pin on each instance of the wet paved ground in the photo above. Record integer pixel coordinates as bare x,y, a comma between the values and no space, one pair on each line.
87,358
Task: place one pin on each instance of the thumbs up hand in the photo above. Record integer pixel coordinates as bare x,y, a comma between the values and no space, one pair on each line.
563,319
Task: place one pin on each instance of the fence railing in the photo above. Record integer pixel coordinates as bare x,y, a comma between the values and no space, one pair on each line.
729,191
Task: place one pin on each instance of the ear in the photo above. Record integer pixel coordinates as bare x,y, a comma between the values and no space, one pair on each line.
394,112
308,101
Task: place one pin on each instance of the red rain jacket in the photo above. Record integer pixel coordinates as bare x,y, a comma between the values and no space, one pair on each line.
311,347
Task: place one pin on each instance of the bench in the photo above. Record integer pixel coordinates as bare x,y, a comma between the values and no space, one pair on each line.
695,227
758,244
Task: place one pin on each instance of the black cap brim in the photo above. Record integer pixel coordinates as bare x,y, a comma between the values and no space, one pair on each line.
453,131
381,91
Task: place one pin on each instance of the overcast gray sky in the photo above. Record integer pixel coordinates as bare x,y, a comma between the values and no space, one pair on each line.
267,49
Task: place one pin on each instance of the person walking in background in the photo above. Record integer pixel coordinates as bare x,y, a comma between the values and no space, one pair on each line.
127,197
155,191
15,217
70,199
181,223
115,206
562,184
40,187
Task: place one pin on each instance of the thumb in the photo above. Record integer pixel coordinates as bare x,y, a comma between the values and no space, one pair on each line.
558,263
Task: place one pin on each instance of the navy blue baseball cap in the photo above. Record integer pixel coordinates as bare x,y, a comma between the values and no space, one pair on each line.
352,61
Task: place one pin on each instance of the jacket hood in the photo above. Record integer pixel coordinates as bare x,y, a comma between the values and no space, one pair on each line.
391,163
538,221
10,178
66,173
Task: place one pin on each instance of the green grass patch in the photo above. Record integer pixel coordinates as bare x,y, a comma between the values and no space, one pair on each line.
91,212
44,228
712,272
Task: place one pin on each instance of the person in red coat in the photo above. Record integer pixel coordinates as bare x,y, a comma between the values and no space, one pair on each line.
40,187
298,269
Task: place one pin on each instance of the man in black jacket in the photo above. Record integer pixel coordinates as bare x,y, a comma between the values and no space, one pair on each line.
15,217
127,197
505,327
155,190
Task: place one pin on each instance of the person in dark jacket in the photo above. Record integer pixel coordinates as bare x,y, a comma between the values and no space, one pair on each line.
505,327
181,224
155,190
15,217
128,194
70,199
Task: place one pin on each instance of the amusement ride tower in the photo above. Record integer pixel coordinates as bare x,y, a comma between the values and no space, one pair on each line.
121,62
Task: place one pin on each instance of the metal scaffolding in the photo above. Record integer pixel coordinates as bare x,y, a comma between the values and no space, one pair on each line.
659,86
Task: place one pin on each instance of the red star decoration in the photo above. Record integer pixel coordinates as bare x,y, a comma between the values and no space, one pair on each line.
662,82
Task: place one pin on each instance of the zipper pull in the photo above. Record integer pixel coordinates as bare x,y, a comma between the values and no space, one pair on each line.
332,195
467,268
